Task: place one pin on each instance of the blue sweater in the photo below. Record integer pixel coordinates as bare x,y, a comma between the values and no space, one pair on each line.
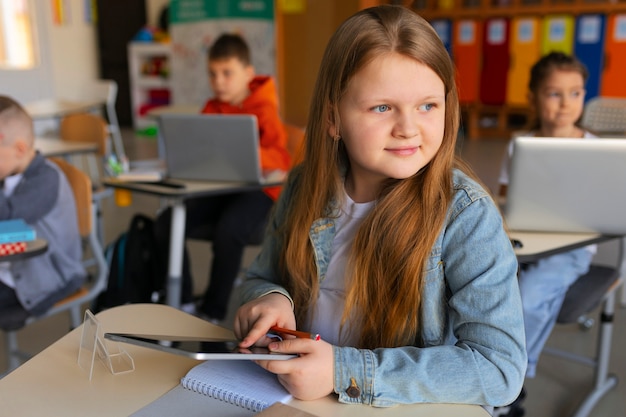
44,199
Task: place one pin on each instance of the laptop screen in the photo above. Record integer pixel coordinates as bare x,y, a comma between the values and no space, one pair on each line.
567,185
211,147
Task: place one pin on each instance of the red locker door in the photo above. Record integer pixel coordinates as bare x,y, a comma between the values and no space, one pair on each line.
466,45
495,66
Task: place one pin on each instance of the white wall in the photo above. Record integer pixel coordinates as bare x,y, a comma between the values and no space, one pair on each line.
67,57
153,10
68,54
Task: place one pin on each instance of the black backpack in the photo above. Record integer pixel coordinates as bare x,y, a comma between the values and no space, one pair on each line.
136,271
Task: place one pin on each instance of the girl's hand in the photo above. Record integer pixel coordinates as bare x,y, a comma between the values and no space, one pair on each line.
308,377
254,319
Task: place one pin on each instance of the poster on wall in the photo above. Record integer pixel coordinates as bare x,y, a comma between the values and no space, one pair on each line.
194,26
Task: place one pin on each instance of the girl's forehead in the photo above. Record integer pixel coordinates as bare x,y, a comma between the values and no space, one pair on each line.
558,74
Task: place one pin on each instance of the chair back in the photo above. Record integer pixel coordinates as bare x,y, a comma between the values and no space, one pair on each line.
605,116
81,187
85,127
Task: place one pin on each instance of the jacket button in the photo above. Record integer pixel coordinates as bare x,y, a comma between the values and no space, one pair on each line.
353,390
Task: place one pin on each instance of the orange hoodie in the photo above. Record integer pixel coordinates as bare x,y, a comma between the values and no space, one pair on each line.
263,103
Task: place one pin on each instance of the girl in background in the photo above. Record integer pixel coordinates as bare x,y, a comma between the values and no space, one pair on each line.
557,93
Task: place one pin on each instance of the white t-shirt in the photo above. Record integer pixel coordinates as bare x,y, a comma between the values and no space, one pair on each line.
326,318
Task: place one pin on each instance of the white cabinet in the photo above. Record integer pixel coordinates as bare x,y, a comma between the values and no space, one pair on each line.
150,81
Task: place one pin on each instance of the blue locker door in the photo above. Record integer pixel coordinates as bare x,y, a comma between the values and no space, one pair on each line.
589,48
443,27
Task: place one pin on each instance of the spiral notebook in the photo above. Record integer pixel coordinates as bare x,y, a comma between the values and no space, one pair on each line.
242,383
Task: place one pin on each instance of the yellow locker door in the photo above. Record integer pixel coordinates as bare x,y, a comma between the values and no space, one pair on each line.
558,34
525,51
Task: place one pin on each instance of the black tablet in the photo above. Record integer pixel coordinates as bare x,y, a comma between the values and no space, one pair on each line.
197,347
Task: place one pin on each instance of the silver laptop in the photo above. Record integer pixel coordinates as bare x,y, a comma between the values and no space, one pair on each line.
211,147
567,185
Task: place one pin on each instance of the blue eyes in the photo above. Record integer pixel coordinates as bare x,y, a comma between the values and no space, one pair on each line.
384,108
573,94
427,107
381,109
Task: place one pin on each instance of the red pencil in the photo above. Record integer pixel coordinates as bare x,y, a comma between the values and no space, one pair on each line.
296,333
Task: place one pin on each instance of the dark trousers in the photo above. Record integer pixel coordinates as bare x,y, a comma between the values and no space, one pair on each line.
12,314
229,221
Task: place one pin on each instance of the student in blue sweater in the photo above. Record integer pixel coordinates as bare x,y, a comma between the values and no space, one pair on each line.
35,190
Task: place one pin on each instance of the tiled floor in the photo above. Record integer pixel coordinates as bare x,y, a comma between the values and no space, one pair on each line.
559,384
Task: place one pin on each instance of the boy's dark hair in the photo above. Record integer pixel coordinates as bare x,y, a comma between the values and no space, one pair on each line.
548,63
228,46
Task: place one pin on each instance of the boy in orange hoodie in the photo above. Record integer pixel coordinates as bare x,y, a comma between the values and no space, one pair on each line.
233,218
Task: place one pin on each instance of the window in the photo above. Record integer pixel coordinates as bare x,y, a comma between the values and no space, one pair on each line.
17,46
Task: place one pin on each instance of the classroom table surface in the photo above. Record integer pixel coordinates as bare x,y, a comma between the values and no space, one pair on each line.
535,245
58,108
52,383
51,147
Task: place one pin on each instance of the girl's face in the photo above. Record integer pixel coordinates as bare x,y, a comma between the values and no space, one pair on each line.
560,99
392,122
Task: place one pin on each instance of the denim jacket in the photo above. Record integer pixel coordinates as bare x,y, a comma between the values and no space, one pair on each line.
473,334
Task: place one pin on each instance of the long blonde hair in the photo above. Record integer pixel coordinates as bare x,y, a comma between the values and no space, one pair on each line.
392,245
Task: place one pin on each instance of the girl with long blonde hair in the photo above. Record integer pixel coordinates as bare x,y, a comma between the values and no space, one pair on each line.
382,242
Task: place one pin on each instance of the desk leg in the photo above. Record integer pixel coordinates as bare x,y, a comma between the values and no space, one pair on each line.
177,242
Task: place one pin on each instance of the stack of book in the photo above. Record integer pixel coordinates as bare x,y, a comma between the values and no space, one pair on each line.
14,235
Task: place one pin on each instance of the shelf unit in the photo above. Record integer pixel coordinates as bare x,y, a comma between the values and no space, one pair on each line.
150,85
484,120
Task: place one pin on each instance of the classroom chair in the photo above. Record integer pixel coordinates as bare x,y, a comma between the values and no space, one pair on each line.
85,208
106,90
88,127
598,286
605,116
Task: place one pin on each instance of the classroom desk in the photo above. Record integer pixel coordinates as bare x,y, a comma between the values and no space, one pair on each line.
176,199
174,109
57,109
53,147
542,244
52,383
33,248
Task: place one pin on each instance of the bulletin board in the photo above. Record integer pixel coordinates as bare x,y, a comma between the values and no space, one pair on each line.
196,24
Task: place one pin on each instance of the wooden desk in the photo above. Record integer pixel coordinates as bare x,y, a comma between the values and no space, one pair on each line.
56,109
50,147
176,199
51,383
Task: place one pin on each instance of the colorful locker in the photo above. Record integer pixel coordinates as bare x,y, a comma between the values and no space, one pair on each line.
558,34
589,49
466,48
525,51
613,83
495,65
443,27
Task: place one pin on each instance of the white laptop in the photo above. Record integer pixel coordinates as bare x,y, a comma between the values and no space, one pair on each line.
211,147
567,185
